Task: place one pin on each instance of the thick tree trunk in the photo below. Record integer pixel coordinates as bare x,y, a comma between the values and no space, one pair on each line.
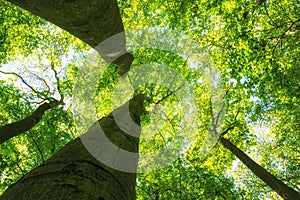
73,173
13,129
92,21
277,185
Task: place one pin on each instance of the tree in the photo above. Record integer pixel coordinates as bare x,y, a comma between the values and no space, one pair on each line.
282,189
87,178
86,25
246,40
13,129
37,83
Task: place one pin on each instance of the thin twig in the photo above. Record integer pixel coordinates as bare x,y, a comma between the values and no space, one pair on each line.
285,12
163,138
283,35
43,80
57,82
23,172
165,97
170,121
272,21
231,126
38,147
20,77
219,113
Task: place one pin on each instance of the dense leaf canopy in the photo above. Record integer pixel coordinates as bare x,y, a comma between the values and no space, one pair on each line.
255,47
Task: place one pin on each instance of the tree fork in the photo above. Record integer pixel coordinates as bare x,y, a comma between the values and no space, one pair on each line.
91,21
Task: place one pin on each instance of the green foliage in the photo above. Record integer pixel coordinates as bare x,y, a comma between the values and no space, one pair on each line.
34,52
19,29
184,181
255,47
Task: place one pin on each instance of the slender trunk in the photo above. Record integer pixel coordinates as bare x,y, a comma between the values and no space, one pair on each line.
73,173
92,21
13,129
277,185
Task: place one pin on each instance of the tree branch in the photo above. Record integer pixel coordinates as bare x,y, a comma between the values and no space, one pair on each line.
13,129
22,79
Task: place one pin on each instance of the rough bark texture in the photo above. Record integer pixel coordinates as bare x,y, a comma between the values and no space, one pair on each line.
72,173
13,129
92,21
277,185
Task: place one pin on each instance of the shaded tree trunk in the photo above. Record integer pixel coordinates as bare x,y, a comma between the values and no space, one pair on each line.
277,185
13,129
92,21
73,173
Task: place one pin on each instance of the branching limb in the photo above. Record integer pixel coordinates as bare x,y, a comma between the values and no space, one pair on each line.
232,125
38,148
22,79
168,95
267,12
44,81
283,35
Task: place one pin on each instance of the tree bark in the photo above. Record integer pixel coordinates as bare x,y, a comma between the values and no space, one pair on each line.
277,185
13,129
73,173
92,21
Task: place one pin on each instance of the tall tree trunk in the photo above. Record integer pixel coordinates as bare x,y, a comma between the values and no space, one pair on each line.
73,173
92,21
277,185
13,129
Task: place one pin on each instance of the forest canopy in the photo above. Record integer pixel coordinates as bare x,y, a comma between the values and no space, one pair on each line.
251,49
